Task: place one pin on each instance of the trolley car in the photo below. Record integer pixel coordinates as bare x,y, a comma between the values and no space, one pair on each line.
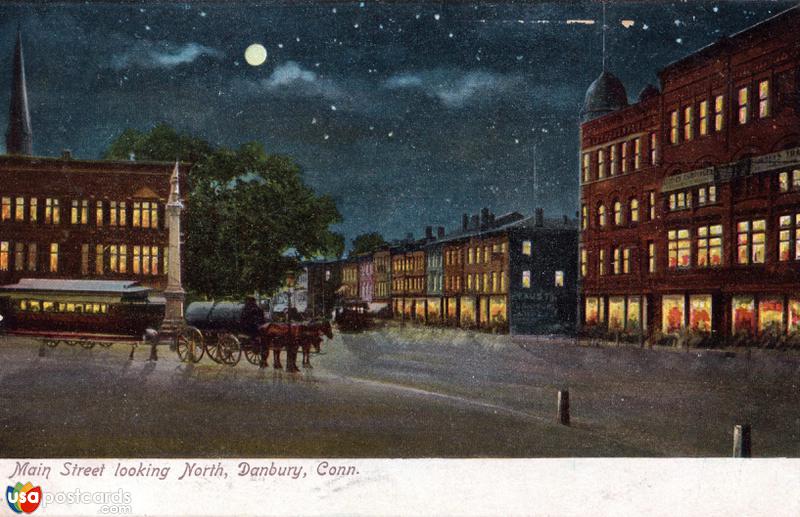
79,312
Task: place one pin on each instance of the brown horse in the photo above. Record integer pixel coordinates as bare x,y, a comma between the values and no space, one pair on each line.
311,336
279,336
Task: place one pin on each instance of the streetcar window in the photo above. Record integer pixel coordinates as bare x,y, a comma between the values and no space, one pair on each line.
23,305
78,307
70,307
47,306
97,309
34,306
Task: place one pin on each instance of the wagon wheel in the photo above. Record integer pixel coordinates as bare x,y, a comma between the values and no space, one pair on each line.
252,353
229,349
87,344
189,345
71,342
211,345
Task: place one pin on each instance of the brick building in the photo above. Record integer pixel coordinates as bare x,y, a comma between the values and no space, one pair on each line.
690,197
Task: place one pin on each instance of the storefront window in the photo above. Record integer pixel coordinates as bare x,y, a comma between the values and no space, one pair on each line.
700,312
616,313
744,314
672,311
592,311
467,310
497,309
794,315
634,308
770,314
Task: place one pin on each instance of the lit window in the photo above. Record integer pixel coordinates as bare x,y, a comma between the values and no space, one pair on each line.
637,153
704,116
19,209
601,263
470,256
634,210
584,263
54,257
33,206
559,279
701,195
99,265
601,216
584,217
679,249
652,205
6,209
651,257
719,114
117,214
526,248
712,194
80,212
743,97
52,211
601,165
709,246
673,127
486,281
763,99
613,158
751,240
617,213
653,148
688,123
789,238
526,279
624,157
4,256
615,261
626,260
99,213
586,167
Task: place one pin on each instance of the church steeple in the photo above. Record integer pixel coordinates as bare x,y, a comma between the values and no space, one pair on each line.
19,138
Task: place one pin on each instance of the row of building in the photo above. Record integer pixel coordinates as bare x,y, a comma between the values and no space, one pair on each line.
690,197
506,274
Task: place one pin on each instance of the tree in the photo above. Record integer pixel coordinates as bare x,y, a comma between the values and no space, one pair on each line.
250,217
367,243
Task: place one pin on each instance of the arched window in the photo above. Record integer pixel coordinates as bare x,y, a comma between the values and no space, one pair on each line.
584,217
617,213
634,210
601,215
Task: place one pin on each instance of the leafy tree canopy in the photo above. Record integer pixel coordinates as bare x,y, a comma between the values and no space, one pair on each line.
367,243
250,217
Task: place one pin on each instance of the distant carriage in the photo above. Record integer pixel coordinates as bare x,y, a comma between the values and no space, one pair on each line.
80,312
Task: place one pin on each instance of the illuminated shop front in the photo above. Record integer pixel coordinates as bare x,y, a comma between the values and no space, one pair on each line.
467,311
419,311
434,310
452,310
636,310
770,314
744,314
592,311
616,313
498,310
700,312
672,313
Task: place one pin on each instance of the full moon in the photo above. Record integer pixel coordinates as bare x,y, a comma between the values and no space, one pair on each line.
255,54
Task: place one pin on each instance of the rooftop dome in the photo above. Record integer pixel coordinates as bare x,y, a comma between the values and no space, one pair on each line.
648,92
605,94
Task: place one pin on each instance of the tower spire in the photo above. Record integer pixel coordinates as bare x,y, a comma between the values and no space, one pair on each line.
605,28
19,138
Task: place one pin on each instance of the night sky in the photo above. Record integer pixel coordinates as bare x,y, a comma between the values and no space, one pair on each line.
408,114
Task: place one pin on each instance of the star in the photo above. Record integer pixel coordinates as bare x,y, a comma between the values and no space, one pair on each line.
436,17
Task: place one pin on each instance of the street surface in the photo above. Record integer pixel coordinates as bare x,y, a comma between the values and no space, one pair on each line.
398,392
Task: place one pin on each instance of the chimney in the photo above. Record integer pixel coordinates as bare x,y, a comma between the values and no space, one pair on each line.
429,233
440,232
484,217
66,154
464,222
475,222
566,220
539,217
491,218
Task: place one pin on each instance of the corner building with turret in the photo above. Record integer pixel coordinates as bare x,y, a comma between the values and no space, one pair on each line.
690,196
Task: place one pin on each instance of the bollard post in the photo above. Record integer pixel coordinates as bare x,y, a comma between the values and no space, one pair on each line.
563,407
741,441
